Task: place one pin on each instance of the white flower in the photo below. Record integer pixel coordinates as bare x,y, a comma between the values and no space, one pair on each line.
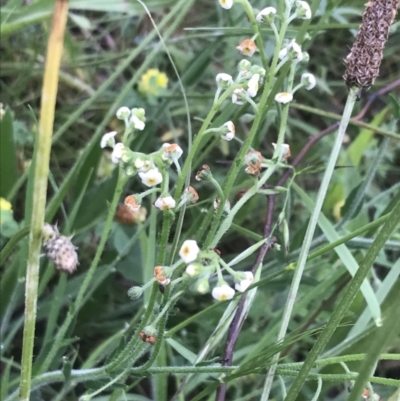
229,131
243,284
308,80
227,4
285,150
189,251
165,203
283,53
237,96
137,123
283,97
293,50
172,152
266,15
123,113
303,10
252,85
117,153
151,177
224,80
108,139
223,292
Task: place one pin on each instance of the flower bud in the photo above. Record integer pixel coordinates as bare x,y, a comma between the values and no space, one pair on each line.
244,65
266,15
202,286
224,80
303,10
108,140
228,131
135,292
308,80
138,119
123,113
149,335
239,96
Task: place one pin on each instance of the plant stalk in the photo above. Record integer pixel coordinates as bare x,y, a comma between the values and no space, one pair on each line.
291,299
47,111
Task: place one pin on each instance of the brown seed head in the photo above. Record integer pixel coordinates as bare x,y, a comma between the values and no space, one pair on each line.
126,215
247,47
132,203
204,174
364,59
253,161
191,195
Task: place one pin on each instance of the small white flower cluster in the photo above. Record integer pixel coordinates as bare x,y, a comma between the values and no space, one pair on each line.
191,254
248,82
146,166
151,168
292,51
307,80
267,15
134,117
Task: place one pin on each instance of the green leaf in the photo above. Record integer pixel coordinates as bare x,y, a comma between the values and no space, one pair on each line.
395,106
344,254
187,354
358,147
8,158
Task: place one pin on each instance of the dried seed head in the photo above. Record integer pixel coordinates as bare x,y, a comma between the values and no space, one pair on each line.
60,250
132,202
190,195
364,59
160,274
253,161
247,47
126,215
204,174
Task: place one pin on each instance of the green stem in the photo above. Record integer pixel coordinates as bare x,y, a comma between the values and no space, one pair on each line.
382,338
214,109
334,116
238,162
47,111
291,299
341,359
342,308
227,222
256,29
149,264
77,304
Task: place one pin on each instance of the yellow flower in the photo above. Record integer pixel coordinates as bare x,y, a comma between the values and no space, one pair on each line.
153,82
5,204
